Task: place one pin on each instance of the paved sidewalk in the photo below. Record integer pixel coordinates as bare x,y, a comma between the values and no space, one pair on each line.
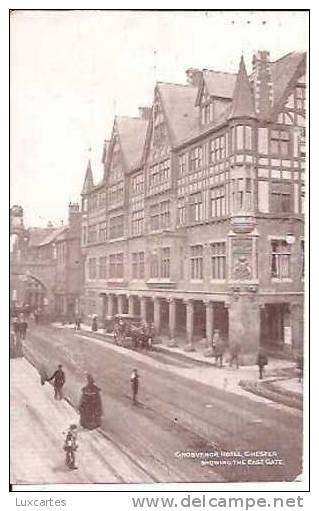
38,425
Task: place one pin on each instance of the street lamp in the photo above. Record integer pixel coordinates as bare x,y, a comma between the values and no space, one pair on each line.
290,238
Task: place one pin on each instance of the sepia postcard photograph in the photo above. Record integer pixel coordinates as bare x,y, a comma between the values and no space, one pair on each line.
158,248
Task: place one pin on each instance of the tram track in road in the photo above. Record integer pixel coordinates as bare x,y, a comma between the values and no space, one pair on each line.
228,423
150,477
141,452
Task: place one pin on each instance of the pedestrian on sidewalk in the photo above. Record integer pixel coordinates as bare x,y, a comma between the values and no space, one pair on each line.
78,323
234,351
218,347
262,361
70,446
23,327
94,323
134,384
90,405
58,378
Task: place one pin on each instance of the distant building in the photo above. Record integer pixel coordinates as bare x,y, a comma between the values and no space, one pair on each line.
198,222
46,267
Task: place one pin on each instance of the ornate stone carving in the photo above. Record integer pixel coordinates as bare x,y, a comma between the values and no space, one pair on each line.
241,269
242,224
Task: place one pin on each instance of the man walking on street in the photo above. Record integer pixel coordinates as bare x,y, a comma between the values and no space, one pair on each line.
23,327
58,378
262,361
134,383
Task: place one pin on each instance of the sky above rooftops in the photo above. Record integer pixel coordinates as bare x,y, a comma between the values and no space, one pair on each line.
71,72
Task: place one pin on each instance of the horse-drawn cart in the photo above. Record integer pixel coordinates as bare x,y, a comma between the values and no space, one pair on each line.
129,331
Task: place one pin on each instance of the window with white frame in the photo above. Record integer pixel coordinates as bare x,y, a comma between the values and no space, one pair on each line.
196,262
300,98
116,265
279,142
165,263
218,260
196,158
160,173
164,214
281,197
138,184
102,199
196,207
160,215
154,217
154,265
207,112
242,194
217,149
280,259
92,234
92,267
102,231
217,201
102,267
137,222
182,164
116,193
181,212
138,265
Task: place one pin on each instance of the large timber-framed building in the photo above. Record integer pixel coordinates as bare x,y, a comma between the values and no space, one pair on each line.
198,222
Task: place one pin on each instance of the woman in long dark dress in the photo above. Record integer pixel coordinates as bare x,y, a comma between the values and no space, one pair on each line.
90,405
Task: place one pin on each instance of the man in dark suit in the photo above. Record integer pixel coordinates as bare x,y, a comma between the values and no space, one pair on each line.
58,378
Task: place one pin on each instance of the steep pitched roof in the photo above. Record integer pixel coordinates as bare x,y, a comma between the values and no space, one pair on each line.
243,101
219,84
51,236
38,234
88,180
283,70
132,133
179,106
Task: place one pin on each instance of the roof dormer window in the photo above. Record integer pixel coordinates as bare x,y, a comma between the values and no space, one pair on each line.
207,112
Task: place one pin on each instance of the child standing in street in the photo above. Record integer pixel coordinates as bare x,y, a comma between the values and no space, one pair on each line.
70,446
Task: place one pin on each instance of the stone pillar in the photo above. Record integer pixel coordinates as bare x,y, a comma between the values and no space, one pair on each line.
189,325
209,321
120,304
111,305
244,326
172,317
103,306
297,326
131,304
143,308
157,314
65,304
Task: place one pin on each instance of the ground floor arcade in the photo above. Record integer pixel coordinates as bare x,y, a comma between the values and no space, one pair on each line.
250,320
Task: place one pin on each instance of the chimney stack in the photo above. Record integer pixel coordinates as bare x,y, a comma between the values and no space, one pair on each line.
262,83
74,214
144,112
194,76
